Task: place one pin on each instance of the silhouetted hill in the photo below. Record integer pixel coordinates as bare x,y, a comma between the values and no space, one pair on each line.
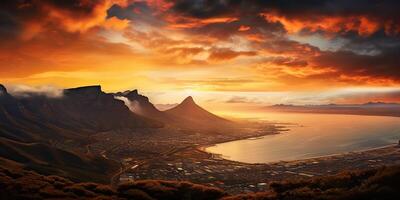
192,115
383,183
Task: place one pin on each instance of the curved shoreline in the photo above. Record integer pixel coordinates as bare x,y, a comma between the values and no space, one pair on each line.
220,156
360,143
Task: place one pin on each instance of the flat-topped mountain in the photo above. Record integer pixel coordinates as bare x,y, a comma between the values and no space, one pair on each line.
80,111
31,125
94,90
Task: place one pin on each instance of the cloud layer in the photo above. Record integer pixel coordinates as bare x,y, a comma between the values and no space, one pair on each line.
262,45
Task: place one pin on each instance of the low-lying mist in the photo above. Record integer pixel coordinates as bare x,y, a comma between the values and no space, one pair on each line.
132,105
26,91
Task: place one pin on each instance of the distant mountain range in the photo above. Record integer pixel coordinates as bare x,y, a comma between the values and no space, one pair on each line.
370,108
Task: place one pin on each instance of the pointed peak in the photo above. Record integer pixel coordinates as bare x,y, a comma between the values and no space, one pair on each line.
188,100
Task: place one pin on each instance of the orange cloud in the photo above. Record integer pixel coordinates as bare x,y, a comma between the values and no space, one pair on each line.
73,23
115,23
66,43
80,16
180,22
255,37
363,25
244,28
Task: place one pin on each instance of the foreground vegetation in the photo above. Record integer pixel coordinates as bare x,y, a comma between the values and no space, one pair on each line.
382,183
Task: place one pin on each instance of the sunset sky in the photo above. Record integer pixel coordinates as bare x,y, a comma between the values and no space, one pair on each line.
222,52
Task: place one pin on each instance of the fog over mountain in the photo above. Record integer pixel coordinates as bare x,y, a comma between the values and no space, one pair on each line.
187,114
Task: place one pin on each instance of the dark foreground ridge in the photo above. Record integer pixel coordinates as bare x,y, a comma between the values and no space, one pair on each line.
383,183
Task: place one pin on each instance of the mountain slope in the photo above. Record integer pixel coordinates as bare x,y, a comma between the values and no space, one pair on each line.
49,160
189,114
142,106
186,115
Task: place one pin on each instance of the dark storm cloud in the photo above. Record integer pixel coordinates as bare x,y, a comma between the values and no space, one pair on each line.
371,45
363,13
140,12
8,25
383,65
206,8
291,8
379,8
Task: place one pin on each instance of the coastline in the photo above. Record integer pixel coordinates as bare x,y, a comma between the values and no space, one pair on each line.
263,173
249,137
286,128
350,153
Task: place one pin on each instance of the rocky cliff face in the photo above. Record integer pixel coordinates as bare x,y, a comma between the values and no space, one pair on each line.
142,106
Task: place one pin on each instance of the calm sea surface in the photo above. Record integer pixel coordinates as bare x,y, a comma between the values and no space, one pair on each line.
313,135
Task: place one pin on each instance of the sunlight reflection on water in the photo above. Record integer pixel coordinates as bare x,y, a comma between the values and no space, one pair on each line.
316,135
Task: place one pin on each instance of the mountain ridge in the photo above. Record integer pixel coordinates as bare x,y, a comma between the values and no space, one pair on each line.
187,114
36,130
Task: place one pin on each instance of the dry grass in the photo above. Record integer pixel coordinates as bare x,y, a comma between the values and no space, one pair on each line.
383,183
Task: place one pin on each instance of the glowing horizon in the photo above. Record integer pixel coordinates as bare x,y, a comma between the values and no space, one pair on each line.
227,54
